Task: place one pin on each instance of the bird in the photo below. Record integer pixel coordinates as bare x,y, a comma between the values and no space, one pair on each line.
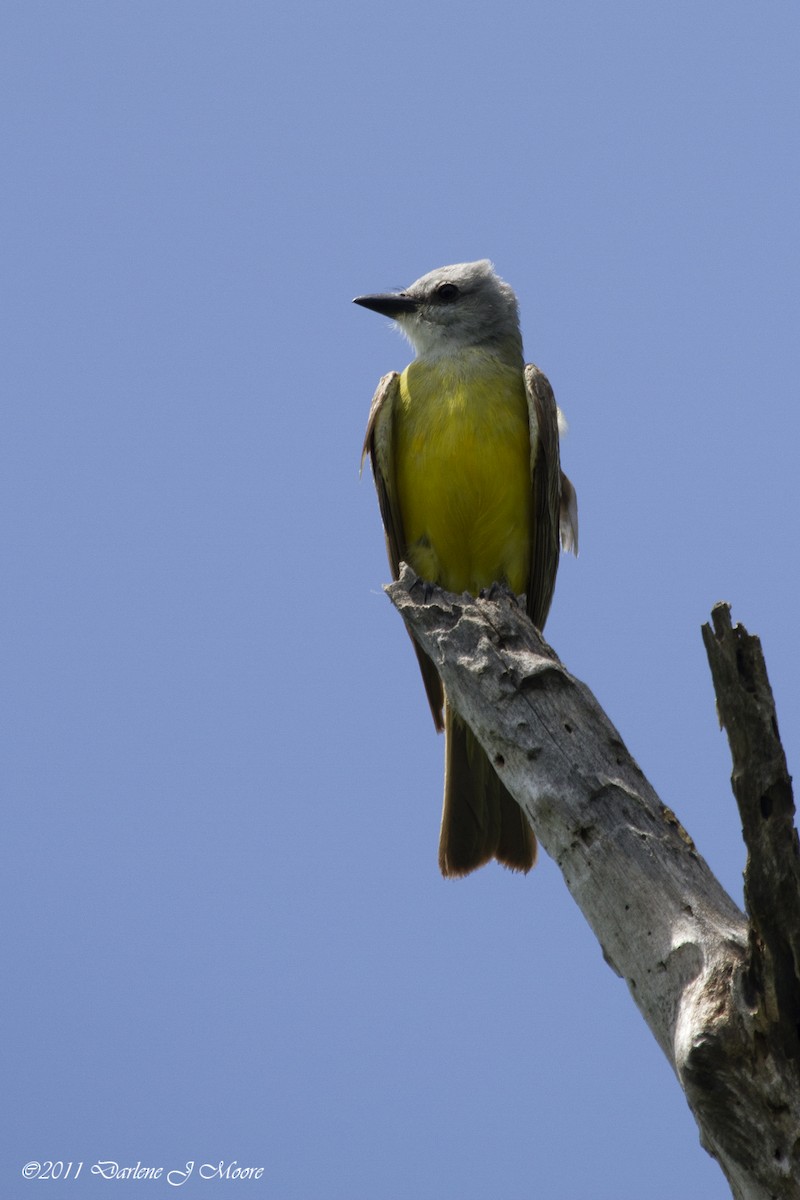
464,450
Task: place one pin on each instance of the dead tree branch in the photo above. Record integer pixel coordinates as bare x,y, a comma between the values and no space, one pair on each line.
719,994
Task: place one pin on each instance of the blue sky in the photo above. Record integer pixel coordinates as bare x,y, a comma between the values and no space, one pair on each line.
225,931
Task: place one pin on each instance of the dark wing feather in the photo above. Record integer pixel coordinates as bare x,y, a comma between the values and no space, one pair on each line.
545,494
378,445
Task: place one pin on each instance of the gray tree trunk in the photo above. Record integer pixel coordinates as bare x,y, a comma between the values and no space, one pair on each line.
719,990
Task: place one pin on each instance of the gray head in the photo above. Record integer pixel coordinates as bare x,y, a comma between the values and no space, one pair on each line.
455,307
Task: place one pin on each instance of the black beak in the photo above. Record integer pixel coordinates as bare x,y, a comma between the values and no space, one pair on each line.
393,304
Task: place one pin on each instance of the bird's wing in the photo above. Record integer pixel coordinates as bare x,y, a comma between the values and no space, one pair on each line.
378,445
546,494
568,521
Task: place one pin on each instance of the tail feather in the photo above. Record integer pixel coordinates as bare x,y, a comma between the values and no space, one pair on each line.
480,819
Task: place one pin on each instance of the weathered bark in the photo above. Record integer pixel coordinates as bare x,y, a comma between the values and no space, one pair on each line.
719,993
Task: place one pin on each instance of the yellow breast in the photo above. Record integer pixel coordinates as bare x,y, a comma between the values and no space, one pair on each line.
462,469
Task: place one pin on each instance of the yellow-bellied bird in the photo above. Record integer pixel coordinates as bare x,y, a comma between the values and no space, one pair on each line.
464,451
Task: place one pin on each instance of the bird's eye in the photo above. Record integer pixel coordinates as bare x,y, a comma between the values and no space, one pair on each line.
447,293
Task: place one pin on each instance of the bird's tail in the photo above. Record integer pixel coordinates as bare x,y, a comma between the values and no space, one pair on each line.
480,818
